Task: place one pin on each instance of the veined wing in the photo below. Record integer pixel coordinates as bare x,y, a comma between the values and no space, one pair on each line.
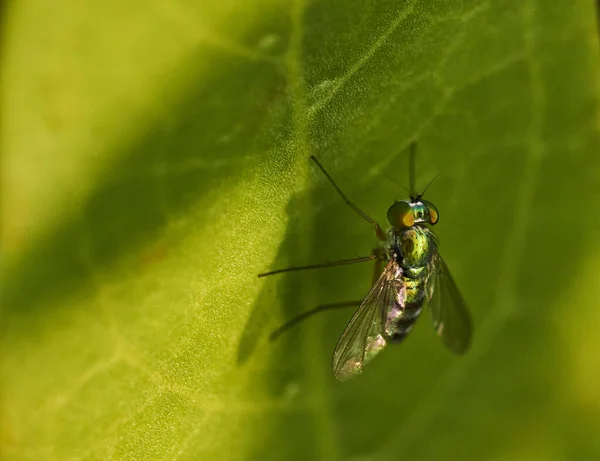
451,319
364,337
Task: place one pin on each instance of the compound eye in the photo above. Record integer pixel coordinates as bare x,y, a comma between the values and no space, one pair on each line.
434,215
400,215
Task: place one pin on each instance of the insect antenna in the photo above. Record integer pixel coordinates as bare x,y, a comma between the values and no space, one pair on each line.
412,161
389,178
428,184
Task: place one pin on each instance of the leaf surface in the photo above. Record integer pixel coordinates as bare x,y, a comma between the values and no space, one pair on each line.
156,160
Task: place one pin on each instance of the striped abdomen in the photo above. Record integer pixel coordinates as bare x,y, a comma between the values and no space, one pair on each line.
402,318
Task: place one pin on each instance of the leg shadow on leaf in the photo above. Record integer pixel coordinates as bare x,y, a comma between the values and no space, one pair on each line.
275,289
285,296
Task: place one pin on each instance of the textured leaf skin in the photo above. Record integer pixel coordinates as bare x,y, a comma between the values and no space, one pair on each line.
155,159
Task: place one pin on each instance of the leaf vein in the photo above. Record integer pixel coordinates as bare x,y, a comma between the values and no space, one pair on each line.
323,417
358,65
416,423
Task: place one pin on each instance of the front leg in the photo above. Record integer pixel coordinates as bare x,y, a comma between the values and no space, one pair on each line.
380,257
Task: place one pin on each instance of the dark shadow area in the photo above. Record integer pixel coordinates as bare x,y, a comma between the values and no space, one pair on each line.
290,286
514,368
337,233
205,137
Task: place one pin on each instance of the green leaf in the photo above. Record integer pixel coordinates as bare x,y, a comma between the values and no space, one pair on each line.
156,160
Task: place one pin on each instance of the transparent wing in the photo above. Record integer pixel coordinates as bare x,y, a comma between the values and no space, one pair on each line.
364,337
451,319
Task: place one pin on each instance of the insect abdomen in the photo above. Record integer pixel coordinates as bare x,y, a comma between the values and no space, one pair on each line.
408,315
415,251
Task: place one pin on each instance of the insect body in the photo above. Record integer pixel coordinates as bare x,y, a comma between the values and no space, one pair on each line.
414,274
410,251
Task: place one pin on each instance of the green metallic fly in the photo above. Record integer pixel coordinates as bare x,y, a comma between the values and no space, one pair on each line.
413,273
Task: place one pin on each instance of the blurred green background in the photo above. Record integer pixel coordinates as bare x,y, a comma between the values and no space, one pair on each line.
155,159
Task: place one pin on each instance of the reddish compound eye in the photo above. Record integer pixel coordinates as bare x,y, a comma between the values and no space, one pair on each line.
434,215
400,215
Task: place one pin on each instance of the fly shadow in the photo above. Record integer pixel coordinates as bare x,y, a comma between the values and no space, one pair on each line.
334,233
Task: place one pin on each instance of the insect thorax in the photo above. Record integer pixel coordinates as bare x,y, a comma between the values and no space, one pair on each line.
412,248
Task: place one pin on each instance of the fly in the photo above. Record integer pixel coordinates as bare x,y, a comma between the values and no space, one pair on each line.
409,272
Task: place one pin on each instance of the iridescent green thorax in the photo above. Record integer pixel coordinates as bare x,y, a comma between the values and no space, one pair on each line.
415,246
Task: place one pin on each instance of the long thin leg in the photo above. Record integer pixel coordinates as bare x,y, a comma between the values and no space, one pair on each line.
412,158
343,262
380,234
287,325
378,255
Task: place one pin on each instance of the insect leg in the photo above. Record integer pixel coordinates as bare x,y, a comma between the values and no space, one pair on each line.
287,325
380,234
380,257
343,262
